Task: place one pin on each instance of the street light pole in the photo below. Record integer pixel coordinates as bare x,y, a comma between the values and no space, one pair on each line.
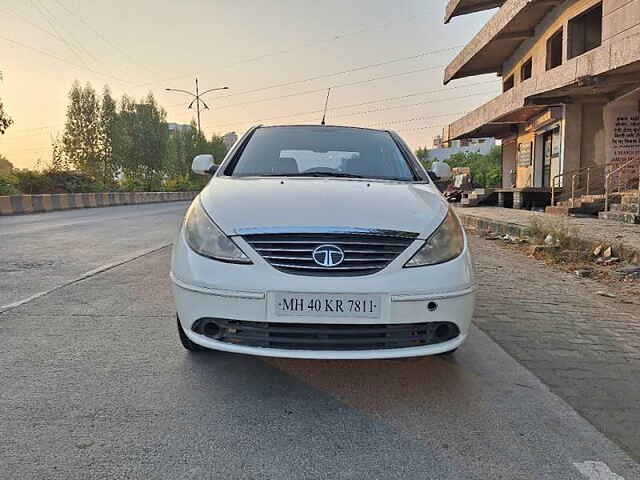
198,105
197,98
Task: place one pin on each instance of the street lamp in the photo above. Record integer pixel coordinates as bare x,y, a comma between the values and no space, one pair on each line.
196,98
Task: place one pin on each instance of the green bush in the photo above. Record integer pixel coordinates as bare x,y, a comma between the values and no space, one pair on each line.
31,182
182,183
8,184
562,235
131,185
73,182
486,170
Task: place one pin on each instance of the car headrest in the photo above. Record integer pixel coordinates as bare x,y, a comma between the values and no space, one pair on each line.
287,165
357,166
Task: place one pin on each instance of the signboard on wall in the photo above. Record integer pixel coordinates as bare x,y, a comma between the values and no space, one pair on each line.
525,151
622,124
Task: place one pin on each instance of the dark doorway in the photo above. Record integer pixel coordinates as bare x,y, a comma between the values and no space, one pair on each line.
547,142
550,155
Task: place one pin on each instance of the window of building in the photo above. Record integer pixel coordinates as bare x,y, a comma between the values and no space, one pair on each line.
554,50
525,70
585,32
508,83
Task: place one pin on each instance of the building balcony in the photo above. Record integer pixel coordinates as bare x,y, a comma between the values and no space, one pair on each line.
599,75
462,7
499,38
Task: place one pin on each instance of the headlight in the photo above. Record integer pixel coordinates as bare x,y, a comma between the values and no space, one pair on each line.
445,244
205,238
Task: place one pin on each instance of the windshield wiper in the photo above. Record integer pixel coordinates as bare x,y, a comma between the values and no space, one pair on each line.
331,174
324,174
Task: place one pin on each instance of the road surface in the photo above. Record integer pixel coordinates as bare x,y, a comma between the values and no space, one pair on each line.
39,252
96,385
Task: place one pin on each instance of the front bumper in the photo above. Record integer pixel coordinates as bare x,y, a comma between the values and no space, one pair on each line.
205,288
194,303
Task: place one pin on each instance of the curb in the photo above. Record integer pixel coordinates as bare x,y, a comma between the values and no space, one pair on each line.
484,225
25,204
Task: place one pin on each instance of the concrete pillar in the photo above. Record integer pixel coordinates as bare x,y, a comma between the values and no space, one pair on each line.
572,137
518,198
501,199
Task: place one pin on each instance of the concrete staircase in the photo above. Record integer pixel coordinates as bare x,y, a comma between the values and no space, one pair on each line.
585,205
623,207
476,197
626,211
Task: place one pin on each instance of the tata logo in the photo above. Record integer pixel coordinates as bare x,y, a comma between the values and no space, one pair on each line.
328,256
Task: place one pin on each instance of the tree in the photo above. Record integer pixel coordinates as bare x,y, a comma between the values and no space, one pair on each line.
423,155
5,165
59,160
485,169
142,135
217,148
183,145
181,148
153,141
124,148
5,120
104,138
108,136
81,139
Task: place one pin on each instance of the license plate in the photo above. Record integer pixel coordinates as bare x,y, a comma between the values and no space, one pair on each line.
327,305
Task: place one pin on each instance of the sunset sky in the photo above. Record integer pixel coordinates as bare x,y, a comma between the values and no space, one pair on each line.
277,57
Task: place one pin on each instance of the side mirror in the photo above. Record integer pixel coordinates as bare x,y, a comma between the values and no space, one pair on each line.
203,164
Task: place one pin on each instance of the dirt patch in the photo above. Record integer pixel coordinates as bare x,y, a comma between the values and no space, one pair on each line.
618,277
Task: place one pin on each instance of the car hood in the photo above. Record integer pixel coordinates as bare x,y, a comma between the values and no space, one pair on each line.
240,203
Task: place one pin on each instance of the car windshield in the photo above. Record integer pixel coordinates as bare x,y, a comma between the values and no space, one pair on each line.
322,152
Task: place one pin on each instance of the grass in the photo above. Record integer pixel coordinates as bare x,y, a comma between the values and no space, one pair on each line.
566,245
557,228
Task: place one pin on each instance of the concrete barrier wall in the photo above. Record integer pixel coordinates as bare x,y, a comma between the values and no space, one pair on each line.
23,204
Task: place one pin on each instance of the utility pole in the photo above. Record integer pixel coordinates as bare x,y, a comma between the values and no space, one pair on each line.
197,98
198,105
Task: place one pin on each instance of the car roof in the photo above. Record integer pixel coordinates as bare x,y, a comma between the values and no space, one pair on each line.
325,126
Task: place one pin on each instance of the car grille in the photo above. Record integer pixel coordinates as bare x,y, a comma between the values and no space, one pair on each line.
304,336
364,254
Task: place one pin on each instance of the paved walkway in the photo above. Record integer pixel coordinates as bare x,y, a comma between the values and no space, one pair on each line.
590,230
585,347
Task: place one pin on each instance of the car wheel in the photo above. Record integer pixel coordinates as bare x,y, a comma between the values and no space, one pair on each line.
186,342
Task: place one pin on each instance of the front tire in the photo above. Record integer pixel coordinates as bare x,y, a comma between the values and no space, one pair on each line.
186,342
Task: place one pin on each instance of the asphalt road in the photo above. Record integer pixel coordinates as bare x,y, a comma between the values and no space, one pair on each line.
94,384
43,251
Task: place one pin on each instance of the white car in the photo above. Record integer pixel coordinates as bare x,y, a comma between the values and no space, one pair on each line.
321,242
